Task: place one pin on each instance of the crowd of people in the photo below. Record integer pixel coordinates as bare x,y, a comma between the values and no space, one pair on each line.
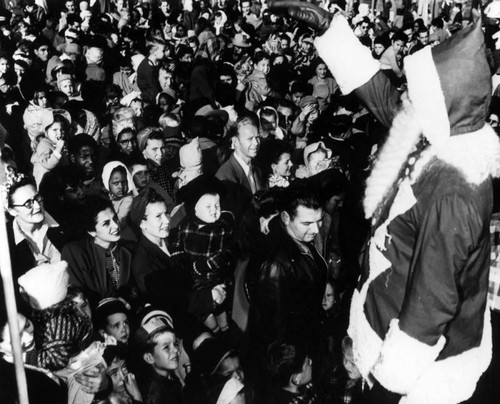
183,187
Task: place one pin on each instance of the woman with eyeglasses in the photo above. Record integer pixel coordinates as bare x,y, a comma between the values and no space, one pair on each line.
124,147
34,236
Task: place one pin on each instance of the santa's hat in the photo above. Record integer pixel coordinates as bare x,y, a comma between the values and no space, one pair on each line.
450,85
46,284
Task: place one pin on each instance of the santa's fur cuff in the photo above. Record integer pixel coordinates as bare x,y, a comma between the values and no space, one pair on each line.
350,62
403,359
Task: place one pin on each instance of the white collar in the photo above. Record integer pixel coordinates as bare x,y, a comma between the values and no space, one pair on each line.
245,166
19,235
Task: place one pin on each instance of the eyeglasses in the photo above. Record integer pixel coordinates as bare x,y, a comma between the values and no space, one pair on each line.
125,142
30,202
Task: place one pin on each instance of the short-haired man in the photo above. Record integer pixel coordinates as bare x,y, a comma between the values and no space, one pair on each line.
422,40
291,280
241,179
287,292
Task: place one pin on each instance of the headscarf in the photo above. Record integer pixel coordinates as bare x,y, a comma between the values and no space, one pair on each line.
106,174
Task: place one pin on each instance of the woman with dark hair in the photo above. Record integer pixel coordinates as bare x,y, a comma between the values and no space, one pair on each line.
99,264
34,236
277,164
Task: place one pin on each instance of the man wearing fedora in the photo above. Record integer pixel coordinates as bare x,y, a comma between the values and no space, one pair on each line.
419,321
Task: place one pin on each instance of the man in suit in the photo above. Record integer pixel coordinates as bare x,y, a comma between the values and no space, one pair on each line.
240,177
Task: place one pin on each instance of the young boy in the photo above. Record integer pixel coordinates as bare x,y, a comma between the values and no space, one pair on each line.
50,149
205,235
159,349
112,319
125,388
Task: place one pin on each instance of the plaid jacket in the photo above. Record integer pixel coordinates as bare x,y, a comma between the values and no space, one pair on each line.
207,245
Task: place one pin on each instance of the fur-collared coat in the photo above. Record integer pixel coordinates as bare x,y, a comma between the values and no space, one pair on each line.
419,321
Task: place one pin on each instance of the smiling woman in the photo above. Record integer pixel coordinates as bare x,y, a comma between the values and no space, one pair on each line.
34,236
100,263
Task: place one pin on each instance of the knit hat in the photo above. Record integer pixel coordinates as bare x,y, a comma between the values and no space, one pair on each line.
190,155
94,55
63,77
191,162
191,193
46,284
109,306
450,85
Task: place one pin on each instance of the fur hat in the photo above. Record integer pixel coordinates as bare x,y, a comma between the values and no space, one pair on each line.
46,284
190,155
195,189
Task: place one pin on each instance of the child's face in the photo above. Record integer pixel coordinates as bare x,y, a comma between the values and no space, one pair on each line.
207,208
328,298
55,132
230,367
314,159
117,326
118,185
166,352
118,372
349,365
81,305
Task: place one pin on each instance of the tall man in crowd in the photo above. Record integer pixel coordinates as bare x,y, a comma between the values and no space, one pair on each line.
240,177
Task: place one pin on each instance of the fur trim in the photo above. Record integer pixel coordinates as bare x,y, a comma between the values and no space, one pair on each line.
424,90
403,136
476,155
366,344
453,380
403,359
350,62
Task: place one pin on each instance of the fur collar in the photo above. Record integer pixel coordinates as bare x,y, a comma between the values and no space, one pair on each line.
475,155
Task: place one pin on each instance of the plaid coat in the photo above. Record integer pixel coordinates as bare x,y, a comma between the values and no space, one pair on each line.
208,246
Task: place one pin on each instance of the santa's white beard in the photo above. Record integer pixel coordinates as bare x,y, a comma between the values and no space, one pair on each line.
403,136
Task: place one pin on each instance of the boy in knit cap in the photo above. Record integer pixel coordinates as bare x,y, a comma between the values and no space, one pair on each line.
205,235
